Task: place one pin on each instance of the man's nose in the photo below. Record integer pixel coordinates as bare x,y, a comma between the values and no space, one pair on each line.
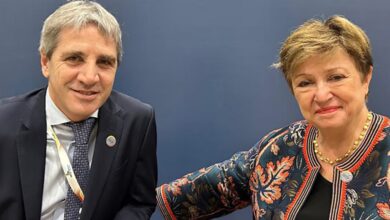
89,75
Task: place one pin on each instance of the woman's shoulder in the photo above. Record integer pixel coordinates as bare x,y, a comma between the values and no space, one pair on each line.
292,134
383,117
380,124
386,122
380,130
287,140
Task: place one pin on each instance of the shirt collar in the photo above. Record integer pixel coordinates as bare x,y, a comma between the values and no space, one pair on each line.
54,115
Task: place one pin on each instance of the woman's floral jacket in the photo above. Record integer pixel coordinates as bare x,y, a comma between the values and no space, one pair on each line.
276,176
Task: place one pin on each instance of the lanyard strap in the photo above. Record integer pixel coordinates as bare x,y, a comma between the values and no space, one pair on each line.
67,167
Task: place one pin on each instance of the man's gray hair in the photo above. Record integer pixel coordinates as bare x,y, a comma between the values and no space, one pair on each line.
78,14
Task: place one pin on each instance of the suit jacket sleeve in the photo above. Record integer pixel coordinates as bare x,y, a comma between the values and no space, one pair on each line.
141,200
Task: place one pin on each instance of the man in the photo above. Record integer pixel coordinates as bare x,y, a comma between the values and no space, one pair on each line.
45,173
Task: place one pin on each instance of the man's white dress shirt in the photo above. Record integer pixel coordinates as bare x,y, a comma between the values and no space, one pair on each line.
55,186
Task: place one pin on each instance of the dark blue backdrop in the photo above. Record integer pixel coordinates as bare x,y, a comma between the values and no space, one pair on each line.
203,64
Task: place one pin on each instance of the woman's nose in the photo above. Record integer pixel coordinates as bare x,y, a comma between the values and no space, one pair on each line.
322,93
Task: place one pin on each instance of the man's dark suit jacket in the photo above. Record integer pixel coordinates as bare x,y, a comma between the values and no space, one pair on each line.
122,178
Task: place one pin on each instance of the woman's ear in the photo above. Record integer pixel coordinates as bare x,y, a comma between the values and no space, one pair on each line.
366,81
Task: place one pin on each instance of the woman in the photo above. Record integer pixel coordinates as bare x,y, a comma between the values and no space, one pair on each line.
333,165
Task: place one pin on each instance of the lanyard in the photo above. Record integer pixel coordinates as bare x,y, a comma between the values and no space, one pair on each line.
67,167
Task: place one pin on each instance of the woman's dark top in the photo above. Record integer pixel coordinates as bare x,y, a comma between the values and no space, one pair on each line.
317,204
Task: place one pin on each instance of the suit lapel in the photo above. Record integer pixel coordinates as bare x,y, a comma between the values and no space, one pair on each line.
109,123
31,147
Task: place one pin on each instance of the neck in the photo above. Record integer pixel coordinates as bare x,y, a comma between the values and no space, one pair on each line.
336,141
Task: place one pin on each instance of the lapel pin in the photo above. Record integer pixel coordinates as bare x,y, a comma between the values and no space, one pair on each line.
111,141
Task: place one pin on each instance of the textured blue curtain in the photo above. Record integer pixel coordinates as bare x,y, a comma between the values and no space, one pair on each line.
203,64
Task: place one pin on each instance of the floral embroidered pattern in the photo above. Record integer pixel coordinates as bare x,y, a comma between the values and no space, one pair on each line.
229,196
267,182
297,131
352,199
381,182
382,136
275,149
383,210
175,187
258,212
270,174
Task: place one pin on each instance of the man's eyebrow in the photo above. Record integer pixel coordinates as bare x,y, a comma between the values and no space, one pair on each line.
108,58
72,53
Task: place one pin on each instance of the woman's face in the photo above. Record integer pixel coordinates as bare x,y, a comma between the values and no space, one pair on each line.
330,91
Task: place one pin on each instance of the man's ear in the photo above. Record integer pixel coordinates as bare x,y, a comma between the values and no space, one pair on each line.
44,64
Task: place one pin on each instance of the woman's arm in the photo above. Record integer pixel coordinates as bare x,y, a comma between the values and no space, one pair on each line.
209,192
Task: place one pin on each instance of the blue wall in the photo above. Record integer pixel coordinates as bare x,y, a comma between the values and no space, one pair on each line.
203,65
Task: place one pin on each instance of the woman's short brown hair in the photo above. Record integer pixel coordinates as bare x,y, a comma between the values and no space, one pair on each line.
321,37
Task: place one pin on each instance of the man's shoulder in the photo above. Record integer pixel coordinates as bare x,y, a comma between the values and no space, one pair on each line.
15,109
129,104
21,102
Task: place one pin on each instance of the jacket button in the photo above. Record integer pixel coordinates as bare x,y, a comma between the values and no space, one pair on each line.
346,176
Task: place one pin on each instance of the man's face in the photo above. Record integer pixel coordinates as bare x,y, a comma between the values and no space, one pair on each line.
81,71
